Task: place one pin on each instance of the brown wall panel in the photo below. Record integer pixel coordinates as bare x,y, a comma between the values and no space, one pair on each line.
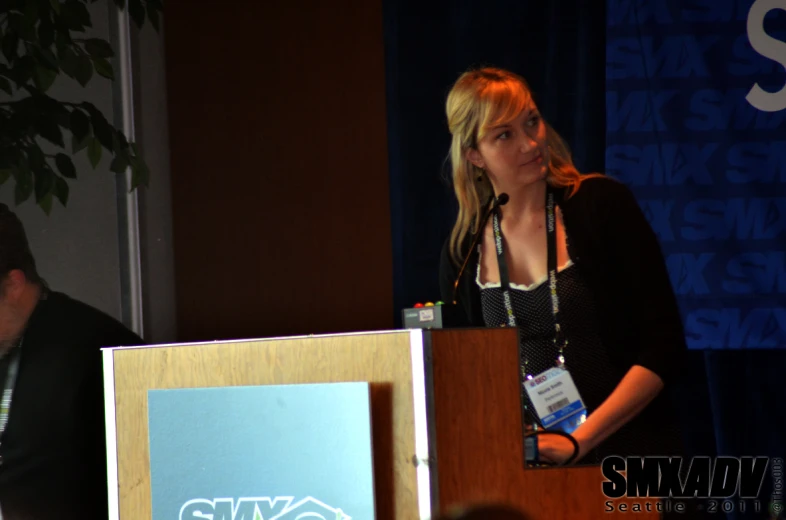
279,167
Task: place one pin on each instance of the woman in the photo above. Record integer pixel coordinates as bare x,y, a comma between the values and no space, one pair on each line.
613,320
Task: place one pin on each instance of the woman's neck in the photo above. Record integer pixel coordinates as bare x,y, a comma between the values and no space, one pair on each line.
524,202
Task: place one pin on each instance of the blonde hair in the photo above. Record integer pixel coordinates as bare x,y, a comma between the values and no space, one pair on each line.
479,100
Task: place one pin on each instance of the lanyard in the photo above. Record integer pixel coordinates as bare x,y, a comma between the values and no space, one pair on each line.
551,241
8,391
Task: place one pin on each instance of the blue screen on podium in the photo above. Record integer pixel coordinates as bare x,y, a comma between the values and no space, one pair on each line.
261,452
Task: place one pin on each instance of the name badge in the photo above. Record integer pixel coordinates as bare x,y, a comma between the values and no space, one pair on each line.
556,399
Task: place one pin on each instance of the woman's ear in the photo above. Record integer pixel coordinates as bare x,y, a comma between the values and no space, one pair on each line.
475,158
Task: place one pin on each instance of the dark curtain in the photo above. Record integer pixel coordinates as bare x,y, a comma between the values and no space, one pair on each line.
730,402
682,134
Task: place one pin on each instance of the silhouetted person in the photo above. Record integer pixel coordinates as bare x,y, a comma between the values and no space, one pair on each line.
52,441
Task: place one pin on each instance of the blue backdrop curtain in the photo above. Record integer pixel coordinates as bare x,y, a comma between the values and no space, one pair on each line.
584,59
707,162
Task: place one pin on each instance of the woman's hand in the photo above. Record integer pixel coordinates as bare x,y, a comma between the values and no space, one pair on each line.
557,449
639,386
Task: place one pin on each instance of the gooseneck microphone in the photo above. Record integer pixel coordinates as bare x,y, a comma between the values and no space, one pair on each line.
493,204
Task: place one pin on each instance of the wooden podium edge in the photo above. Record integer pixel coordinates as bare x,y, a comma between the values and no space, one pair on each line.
425,427
110,418
396,464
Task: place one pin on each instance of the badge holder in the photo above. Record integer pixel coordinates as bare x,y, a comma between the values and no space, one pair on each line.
559,410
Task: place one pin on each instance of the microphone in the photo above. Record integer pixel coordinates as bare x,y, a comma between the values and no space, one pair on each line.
493,204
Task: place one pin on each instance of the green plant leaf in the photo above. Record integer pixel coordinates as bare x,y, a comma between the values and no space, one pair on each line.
84,70
15,19
46,32
137,12
30,14
5,85
69,62
119,164
79,124
139,177
104,68
62,190
8,158
94,152
26,31
103,130
49,130
140,174
65,166
75,16
62,37
47,59
44,183
63,118
82,14
98,48
36,43
77,145
24,185
23,70
35,158
122,143
45,203
44,78
10,45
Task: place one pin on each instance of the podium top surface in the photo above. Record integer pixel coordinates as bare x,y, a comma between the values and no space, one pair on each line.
417,332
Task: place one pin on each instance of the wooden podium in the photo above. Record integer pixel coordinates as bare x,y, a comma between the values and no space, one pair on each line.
446,416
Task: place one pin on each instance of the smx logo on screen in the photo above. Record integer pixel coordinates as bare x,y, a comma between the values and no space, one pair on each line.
702,164
259,508
707,110
756,218
745,273
754,52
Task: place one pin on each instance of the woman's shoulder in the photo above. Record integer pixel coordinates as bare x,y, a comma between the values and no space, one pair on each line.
598,193
599,186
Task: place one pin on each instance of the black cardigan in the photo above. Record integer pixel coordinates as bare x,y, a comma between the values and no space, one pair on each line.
54,447
620,259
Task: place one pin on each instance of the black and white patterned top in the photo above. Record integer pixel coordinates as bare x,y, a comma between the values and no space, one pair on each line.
594,372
